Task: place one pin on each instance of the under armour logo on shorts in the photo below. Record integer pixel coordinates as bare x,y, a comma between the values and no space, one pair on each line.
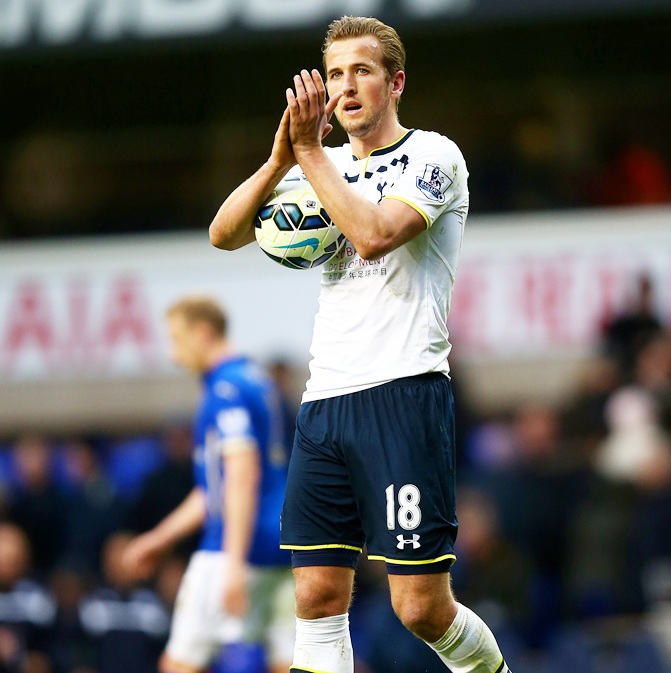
414,541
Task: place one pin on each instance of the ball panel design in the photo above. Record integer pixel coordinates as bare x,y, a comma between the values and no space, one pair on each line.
313,222
294,213
282,222
265,213
294,230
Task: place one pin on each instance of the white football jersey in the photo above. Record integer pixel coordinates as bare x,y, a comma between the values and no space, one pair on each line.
386,319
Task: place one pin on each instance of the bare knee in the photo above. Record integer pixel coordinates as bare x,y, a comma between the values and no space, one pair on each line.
424,604
323,591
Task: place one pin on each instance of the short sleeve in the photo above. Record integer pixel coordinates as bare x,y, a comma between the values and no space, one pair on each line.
233,423
435,179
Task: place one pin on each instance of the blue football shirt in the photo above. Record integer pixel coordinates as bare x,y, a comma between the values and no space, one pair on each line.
241,403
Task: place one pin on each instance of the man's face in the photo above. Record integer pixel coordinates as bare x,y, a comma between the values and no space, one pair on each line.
354,66
187,343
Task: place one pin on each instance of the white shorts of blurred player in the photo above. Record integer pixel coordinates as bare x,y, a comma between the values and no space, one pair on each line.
200,627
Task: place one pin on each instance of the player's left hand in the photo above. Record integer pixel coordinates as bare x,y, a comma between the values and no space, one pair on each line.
309,111
282,154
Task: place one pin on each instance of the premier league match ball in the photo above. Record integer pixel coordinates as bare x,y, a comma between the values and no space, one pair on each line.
293,229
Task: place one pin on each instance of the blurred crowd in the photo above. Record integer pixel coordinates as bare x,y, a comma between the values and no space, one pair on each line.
564,544
68,508
565,509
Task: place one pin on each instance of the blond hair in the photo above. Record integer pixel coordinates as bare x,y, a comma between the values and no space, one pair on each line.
393,51
197,309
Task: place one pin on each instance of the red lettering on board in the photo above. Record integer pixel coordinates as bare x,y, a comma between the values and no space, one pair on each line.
127,320
467,321
545,301
29,321
66,328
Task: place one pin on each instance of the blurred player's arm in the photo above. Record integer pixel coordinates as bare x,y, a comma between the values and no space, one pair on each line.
242,480
233,225
144,552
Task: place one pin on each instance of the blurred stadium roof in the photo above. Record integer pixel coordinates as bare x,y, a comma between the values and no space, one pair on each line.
51,23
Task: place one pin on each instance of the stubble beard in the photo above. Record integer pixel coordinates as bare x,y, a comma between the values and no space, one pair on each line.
359,128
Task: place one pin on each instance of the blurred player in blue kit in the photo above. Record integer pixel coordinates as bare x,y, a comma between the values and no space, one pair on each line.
373,460
238,584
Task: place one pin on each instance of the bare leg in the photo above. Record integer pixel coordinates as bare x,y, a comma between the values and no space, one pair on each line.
425,604
427,607
323,595
323,591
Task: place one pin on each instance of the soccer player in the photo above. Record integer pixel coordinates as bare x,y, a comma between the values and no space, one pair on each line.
374,458
238,584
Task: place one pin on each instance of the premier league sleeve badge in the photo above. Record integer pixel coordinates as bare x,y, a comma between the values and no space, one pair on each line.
434,182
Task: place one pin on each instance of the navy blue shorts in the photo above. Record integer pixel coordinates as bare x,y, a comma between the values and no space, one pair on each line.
375,468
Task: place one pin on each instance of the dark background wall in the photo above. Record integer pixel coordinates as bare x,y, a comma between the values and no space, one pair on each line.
145,136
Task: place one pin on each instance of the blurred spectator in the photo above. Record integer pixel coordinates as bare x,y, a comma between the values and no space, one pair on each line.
628,332
490,446
37,505
129,461
615,534
5,481
129,623
285,376
536,497
491,575
585,413
636,449
620,525
27,610
94,511
72,650
638,433
652,371
464,415
657,588
167,486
